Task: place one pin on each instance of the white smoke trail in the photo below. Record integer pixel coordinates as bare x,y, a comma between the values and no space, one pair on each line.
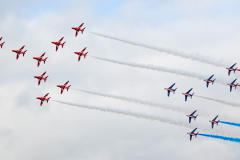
202,112
160,118
199,76
220,101
196,57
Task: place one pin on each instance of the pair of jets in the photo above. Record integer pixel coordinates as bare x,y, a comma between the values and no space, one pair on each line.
40,78
195,134
187,94
44,98
1,44
214,121
77,29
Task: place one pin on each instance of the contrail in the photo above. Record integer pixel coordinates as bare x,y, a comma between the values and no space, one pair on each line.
220,101
221,137
176,108
230,123
160,118
195,57
165,69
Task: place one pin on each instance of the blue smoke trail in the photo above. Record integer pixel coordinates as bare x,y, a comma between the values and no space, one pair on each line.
230,123
222,137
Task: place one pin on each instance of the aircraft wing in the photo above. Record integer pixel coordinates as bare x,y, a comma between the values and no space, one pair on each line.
43,73
190,137
185,98
194,130
190,119
22,48
42,55
46,95
212,125
230,88
66,83
233,65
0,38
17,56
41,103
172,85
76,34
81,25
210,77
38,63
61,91
168,92
56,47
189,90
84,49
234,81
207,84
229,72
193,112
215,118
60,39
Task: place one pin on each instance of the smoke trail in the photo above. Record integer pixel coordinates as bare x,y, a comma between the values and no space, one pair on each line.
165,69
143,102
230,123
220,101
221,137
161,118
196,57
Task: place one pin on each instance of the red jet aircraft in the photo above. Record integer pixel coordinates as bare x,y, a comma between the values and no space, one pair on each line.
233,85
20,51
64,87
209,80
41,78
214,121
77,29
1,44
81,54
193,134
187,94
59,43
0,38
39,59
231,69
170,89
43,99
192,116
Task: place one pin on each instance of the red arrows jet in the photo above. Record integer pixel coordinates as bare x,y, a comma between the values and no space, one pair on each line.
43,99
209,80
19,51
214,121
187,94
193,134
39,59
81,54
192,116
64,87
231,69
77,29
59,43
233,85
1,44
41,78
170,89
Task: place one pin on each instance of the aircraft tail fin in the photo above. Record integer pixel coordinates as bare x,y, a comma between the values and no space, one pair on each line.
68,87
213,81
63,44
85,55
24,53
236,86
218,122
195,117
48,99
196,134
235,69
192,95
45,60
45,79
82,30
174,90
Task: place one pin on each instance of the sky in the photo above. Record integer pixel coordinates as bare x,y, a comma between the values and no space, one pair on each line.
64,132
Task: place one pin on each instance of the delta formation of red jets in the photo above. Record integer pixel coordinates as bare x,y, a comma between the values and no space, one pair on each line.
39,59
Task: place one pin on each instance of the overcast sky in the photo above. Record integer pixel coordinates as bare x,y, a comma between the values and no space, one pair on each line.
61,132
